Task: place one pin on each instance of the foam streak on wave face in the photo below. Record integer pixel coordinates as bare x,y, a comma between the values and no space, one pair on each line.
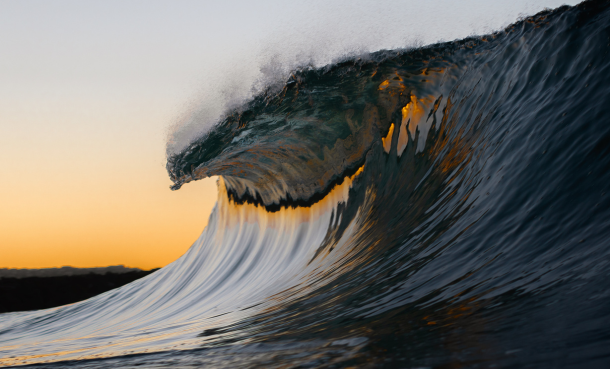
245,255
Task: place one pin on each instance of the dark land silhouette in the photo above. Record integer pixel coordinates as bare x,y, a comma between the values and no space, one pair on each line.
49,288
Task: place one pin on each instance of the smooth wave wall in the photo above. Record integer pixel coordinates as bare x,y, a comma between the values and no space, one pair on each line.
440,207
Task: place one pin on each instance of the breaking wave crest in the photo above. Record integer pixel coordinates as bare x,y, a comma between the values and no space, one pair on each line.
439,207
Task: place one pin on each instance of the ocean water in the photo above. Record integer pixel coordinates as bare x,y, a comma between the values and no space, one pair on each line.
443,207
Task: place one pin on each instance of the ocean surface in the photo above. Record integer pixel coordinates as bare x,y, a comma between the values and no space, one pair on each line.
440,207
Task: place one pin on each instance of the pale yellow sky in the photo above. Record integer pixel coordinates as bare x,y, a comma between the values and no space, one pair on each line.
86,187
88,90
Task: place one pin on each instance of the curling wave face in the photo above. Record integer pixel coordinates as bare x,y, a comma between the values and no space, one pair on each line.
440,207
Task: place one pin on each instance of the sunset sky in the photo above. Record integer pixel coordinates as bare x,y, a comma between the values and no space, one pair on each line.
90,89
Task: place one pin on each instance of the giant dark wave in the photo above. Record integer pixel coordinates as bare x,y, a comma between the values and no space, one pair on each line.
440,207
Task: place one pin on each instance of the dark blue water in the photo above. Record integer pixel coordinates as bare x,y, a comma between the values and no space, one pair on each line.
445,207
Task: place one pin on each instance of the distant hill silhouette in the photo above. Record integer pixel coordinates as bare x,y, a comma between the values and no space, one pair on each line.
33,289
63,271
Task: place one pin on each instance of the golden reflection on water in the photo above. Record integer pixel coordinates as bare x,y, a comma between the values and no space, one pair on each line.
394,86
234,214
387,140
412,114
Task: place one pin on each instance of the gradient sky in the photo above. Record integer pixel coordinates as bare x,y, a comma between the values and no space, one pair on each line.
90,89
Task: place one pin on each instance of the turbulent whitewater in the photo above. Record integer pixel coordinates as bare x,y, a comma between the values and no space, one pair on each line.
439,207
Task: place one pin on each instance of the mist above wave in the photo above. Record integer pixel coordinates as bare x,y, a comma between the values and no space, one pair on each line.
322,33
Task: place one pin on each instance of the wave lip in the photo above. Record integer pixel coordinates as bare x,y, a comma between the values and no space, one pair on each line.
295,145
289,146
